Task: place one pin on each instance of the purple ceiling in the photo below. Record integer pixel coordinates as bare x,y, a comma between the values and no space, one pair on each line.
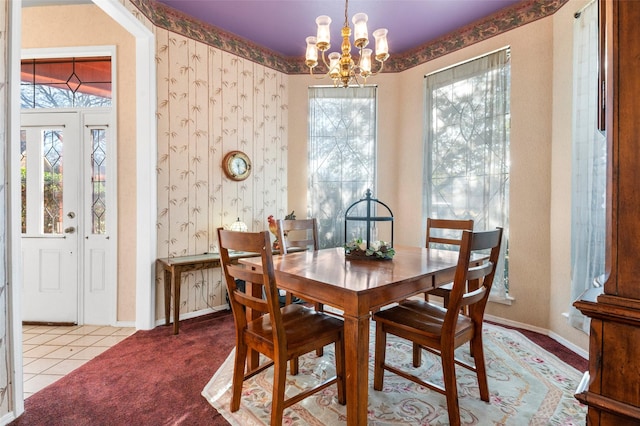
283,25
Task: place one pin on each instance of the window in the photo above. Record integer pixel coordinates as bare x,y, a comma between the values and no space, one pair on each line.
588,166
342,155
65,82
467,148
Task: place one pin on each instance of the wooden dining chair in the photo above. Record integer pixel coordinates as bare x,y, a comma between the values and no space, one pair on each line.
297,233
280,334
441,330
300,234
445,233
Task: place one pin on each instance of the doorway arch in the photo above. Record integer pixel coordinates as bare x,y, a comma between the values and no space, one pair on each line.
146,202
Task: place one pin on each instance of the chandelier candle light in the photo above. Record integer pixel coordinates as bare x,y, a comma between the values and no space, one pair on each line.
342,68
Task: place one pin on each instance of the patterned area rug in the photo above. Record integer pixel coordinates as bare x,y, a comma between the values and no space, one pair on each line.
528,386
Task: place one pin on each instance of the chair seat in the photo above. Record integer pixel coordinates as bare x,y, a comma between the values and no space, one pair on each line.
299,323
442,291
416,317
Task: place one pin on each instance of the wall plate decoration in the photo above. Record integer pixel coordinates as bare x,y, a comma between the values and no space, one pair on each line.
236,165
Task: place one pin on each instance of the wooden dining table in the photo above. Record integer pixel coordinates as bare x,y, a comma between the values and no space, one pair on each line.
359,287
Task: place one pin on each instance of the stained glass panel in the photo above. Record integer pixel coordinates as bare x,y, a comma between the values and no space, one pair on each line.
23,180
98,181
66,82
52,162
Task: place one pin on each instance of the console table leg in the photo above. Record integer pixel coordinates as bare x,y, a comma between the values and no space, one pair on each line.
176,302
167,296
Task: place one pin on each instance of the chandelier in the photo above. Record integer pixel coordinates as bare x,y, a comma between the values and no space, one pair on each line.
342,68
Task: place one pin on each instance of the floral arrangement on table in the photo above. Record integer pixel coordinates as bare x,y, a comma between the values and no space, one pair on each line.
378,250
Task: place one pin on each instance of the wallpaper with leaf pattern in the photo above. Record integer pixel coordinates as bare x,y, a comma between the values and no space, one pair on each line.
211,102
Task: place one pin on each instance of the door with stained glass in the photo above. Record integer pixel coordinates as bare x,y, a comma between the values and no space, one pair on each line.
49,171
67,250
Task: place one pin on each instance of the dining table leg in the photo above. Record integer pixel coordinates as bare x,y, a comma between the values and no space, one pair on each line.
356,336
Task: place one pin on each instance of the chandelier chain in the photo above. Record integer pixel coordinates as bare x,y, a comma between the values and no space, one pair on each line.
346,13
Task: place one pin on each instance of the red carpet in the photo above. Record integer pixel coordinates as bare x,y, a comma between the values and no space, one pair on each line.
156,378
151,378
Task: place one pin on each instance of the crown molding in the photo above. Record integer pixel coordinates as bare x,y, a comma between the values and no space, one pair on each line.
508,19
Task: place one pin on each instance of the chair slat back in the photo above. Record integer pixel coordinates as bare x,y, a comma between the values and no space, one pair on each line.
302,233
473,279
439,231
252,242
245,298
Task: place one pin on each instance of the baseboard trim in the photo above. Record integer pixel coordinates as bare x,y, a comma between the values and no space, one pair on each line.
195,314
564,342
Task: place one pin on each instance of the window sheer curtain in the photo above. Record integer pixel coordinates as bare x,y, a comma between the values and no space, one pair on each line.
342,155
588,187
467,148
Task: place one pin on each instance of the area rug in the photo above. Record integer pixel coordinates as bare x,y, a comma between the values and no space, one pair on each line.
528,386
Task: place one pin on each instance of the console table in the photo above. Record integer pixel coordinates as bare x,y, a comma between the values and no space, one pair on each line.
174,267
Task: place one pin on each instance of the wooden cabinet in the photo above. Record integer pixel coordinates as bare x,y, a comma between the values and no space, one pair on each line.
612,387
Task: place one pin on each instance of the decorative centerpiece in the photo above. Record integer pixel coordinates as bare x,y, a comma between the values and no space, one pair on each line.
273,227
376,250
364,212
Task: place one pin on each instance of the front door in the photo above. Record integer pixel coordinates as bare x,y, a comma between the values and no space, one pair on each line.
68,215
50,172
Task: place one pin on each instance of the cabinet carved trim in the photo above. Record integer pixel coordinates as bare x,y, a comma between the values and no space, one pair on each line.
608,404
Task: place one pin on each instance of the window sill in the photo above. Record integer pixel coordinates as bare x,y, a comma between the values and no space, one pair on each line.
506,300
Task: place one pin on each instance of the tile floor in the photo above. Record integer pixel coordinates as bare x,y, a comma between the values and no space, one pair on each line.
50,352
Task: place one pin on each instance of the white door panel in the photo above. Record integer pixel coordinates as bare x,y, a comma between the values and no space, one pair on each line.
50,291
97,295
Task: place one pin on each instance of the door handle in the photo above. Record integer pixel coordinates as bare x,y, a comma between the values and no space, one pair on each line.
71,215
70,230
